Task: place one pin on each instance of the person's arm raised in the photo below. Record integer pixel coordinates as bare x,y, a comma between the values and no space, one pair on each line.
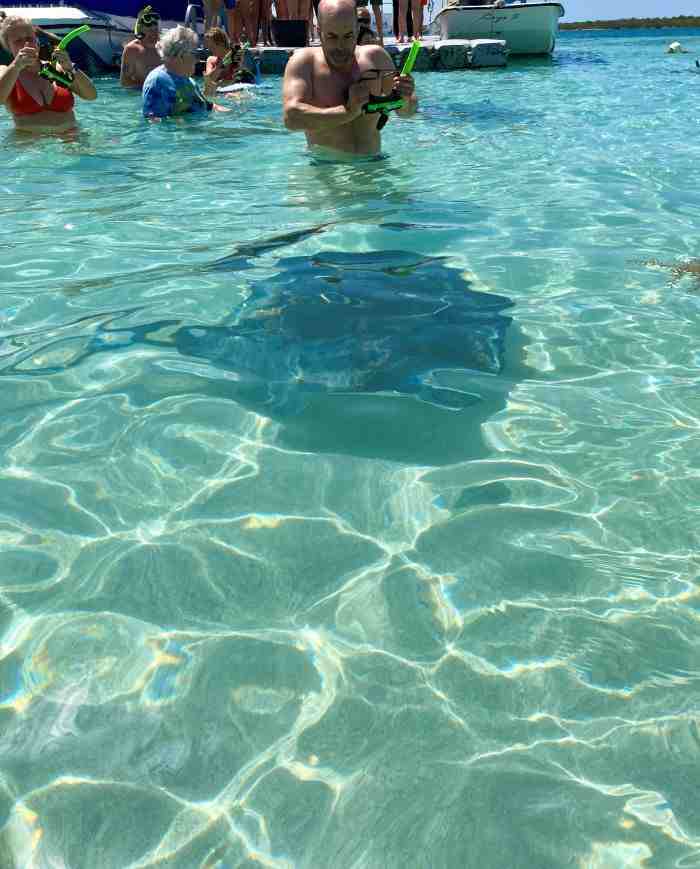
25,58
81,85
299,114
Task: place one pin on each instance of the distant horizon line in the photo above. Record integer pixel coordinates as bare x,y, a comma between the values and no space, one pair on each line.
629,18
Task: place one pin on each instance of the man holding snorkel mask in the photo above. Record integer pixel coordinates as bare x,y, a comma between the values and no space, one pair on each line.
342,93
140,55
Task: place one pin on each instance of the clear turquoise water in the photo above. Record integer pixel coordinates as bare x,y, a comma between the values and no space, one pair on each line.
348,514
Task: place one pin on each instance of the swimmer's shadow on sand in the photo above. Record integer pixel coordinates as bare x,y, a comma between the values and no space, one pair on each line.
386,354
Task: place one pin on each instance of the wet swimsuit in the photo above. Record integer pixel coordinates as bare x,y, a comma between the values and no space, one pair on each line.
228,73
235,74
20,102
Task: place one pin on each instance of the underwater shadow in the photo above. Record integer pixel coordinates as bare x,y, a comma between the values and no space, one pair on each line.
483,113
386,354
580,58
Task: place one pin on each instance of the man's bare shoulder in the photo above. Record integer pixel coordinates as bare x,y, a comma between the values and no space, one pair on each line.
134,47
304,58
375,54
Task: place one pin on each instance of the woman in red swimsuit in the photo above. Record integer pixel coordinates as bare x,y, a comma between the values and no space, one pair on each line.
35,103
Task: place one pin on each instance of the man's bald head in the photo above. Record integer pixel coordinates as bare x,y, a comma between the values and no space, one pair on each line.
337,21
331,9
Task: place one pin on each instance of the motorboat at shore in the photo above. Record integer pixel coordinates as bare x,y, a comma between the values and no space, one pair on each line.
99,48
111,23
527,28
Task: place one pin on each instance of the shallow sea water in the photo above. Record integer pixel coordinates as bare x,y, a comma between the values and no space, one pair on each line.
349,514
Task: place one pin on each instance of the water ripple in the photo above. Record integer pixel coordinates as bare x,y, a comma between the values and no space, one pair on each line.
348,512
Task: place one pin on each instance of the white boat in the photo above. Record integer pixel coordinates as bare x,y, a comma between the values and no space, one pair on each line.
111,26
528,28
99,48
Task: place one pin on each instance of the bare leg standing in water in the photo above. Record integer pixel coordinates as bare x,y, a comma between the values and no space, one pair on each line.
403,12
212,8
378,21
266,21
281,10
233,22
250,13
310,25
417,13
298,9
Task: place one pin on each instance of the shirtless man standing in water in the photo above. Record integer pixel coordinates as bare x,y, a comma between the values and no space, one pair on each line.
326,88
140,55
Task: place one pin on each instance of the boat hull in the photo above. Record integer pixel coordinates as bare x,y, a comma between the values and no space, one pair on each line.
528,28
101,47
169,10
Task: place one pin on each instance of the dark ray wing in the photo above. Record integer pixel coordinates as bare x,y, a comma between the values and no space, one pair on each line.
242,253
386,321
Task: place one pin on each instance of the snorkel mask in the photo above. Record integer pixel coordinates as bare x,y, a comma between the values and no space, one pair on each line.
385,104
147,17
50,71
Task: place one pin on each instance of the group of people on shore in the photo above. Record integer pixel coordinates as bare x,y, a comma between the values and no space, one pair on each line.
329,91
253,18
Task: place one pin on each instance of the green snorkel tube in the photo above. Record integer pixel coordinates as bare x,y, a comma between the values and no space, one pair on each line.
69,37
393,101
412,58
50,71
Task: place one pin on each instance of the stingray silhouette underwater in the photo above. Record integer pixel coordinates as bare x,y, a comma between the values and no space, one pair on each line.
338,348
357,323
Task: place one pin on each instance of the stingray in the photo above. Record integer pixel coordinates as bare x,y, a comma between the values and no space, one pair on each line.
384,354
359,323
389,321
